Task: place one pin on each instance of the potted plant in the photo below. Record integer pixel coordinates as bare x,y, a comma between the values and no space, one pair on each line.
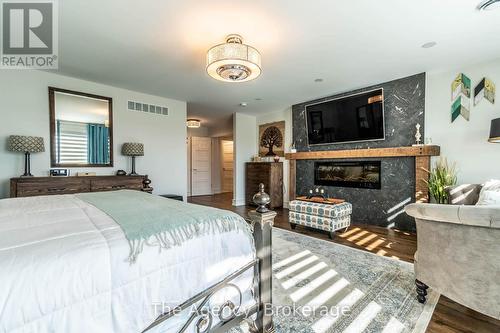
441,176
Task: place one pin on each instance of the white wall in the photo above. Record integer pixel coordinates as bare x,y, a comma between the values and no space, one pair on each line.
464,142
24,110
285,115
245,138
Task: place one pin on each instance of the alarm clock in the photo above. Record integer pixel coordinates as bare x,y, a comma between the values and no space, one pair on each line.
59,172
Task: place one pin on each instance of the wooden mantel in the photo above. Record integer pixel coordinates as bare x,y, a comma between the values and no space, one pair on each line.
422,155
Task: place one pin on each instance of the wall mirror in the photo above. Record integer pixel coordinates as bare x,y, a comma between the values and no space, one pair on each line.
81,129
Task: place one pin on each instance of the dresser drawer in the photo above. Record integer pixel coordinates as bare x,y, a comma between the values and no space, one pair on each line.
129,183
30,189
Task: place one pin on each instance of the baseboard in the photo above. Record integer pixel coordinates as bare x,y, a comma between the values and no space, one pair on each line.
238,202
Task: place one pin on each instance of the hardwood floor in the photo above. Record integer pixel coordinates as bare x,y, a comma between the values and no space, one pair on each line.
448,317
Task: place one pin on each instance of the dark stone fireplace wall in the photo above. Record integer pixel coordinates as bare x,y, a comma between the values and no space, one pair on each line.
404,105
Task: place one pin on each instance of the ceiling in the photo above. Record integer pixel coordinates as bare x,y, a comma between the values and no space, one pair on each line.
159,46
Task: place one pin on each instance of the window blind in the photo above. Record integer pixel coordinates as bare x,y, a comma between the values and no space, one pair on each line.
72,142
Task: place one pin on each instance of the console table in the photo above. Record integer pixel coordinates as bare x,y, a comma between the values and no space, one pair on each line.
422,156
35,186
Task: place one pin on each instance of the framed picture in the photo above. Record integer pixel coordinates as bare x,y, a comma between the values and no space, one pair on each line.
272,139
484,89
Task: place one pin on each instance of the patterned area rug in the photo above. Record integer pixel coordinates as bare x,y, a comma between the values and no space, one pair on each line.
319,286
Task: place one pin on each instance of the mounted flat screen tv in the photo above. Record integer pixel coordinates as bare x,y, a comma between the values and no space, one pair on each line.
352,118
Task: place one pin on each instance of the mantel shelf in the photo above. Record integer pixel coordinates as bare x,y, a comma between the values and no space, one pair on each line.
422,155
412,151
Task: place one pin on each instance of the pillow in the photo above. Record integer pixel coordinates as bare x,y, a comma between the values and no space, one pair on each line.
491,185
489,198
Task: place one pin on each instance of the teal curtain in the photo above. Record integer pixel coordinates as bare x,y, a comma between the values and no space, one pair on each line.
58,141
98,144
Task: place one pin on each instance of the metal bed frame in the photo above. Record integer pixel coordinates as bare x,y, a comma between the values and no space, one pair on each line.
259,320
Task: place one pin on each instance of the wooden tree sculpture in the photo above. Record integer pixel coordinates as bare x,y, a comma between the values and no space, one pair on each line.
271,137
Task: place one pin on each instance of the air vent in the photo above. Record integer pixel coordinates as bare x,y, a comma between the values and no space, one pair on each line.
148,108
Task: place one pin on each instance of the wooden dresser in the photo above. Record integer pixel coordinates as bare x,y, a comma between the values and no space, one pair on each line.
271,175
34,186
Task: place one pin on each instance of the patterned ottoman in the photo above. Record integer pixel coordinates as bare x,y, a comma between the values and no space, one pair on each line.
326,217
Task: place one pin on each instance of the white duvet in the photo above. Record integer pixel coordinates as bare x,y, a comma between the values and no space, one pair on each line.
64,268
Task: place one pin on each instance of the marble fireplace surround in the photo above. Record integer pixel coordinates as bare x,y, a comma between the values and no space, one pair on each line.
401,164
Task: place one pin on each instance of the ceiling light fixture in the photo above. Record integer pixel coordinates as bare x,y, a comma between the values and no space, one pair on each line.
193,123
243,104
428,45
488,5
233,61
318,80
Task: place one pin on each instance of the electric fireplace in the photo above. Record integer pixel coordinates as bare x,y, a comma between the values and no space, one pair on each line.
359,174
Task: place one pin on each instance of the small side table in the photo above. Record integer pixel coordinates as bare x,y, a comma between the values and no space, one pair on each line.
173,196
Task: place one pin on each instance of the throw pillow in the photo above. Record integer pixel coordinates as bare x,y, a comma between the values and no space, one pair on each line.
489,198
492,185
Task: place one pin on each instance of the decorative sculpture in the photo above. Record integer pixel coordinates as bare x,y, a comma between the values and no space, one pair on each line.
261,199
418,136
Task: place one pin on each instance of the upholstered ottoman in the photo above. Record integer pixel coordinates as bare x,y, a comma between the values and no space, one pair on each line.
320,216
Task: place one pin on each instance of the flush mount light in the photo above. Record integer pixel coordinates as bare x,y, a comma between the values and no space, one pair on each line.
243,104
428,45
318,80
488,5
233,61
193,123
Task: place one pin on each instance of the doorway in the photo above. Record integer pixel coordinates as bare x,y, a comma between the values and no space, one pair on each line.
201,180
210,166
227,166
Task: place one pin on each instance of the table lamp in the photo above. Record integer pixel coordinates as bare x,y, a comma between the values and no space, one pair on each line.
26,145
495,131
133,149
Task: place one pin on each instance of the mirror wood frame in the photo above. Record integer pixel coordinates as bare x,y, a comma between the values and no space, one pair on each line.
52,111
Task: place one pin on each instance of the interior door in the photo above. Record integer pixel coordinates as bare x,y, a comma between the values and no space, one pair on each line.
227,166
201,182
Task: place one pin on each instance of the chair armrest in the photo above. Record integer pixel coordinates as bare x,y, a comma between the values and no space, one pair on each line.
481,216
465,194
434,212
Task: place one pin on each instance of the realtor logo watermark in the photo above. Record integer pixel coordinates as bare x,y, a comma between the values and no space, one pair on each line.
29,34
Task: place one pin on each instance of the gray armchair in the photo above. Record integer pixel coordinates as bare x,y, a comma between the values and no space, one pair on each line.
458,250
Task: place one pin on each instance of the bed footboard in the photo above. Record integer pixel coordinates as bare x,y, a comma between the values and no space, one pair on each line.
258,317
262,230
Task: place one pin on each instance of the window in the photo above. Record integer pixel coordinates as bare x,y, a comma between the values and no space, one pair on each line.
72,139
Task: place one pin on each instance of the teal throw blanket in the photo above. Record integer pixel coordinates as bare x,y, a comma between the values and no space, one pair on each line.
147,219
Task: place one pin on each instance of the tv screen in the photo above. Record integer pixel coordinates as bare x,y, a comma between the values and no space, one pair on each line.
353,118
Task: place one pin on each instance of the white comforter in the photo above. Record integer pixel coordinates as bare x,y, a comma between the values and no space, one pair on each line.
63,268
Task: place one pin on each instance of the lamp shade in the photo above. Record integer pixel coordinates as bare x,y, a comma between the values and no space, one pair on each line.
26,144
495,131
233,61
193,123
133,149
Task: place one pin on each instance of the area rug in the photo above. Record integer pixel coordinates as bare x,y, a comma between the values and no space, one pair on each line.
320,286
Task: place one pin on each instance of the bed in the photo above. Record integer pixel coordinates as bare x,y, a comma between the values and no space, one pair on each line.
68,264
